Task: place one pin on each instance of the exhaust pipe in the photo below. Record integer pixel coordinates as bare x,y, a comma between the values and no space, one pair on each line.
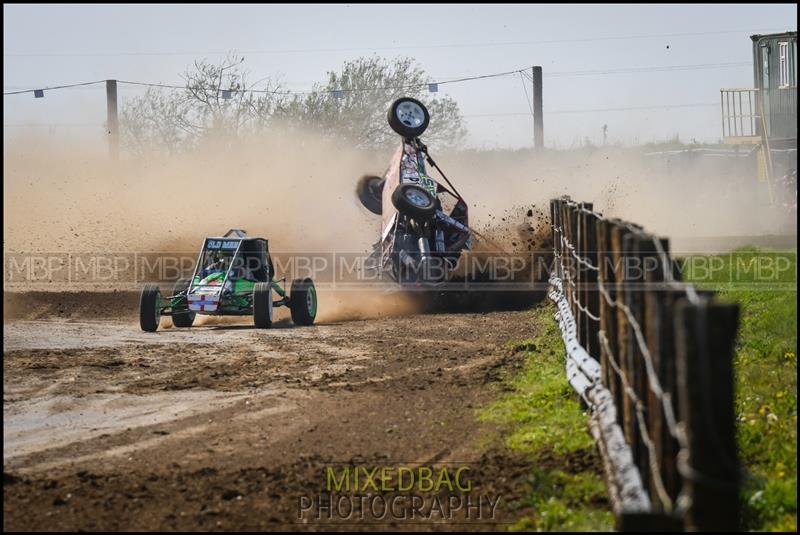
424,249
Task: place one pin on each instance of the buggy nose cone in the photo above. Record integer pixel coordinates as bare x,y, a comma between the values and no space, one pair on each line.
205,301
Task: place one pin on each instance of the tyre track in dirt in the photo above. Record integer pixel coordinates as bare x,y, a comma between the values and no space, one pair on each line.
224,426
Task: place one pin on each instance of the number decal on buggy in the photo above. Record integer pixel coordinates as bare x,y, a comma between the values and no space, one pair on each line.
429,184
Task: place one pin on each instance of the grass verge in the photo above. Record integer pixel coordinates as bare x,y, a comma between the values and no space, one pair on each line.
542,417
764,283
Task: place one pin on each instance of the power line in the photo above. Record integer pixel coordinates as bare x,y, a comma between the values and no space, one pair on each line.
55,87
664,68
277,91
620,70
344,90
524,72
655,107
523,77
53,125
629,108
412,47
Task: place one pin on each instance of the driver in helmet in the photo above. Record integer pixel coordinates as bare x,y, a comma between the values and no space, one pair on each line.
217,264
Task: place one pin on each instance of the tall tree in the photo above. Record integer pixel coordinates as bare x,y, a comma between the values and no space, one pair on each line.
219,106
354,102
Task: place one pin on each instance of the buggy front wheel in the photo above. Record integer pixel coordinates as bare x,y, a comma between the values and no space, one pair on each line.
414,201
150,308
183,318
303,301
262,305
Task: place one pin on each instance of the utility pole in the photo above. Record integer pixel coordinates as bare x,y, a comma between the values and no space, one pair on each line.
112,124
538,120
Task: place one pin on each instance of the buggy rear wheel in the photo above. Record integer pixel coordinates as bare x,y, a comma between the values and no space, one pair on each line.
150,308
184,318
408,117
370,192
262,305
303,301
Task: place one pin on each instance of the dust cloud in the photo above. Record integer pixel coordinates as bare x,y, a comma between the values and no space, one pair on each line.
676,195
297,190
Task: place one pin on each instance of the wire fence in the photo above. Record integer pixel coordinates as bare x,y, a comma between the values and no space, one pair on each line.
652,357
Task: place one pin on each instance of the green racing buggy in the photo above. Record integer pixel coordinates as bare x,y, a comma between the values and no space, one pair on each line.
233,276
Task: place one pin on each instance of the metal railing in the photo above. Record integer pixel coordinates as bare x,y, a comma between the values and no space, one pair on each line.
652,357
740,112
746,111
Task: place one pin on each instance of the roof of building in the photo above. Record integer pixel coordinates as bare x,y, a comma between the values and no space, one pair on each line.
788,33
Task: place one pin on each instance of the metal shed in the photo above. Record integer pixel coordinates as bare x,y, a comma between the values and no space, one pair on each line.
775,76
765,116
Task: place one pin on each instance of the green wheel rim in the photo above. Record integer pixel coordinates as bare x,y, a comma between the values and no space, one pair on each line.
311,301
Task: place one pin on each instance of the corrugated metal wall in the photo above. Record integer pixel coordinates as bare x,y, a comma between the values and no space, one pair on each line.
780,103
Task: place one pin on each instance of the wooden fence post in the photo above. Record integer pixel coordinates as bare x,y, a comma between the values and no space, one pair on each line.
623,338
591,294
705,337
580,316
608,315
573,265
659,302
637,374
562,217
654,322
554,227
668,374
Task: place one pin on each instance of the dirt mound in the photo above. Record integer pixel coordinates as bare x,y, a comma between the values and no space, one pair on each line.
334,306
69,305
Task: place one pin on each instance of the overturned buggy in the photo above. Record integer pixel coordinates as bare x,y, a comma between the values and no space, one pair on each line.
425,225
233,277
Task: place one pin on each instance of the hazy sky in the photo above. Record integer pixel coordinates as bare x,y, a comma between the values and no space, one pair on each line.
62,44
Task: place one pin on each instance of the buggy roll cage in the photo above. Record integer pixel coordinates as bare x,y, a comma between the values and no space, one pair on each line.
423,148
453,220
240,236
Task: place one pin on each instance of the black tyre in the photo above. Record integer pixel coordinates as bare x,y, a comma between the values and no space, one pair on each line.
303,301
184,318
150,308
262,305
414,201
408,117
370,192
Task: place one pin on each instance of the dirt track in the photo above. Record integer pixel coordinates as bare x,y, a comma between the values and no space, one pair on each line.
224,426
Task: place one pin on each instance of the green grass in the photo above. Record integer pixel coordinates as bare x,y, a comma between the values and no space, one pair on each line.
543,418
766,378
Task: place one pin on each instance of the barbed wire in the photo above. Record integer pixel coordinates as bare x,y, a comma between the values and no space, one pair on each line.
578,360
673,427
652,457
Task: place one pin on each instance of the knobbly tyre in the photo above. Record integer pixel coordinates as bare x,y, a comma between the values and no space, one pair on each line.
233,277
425,225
